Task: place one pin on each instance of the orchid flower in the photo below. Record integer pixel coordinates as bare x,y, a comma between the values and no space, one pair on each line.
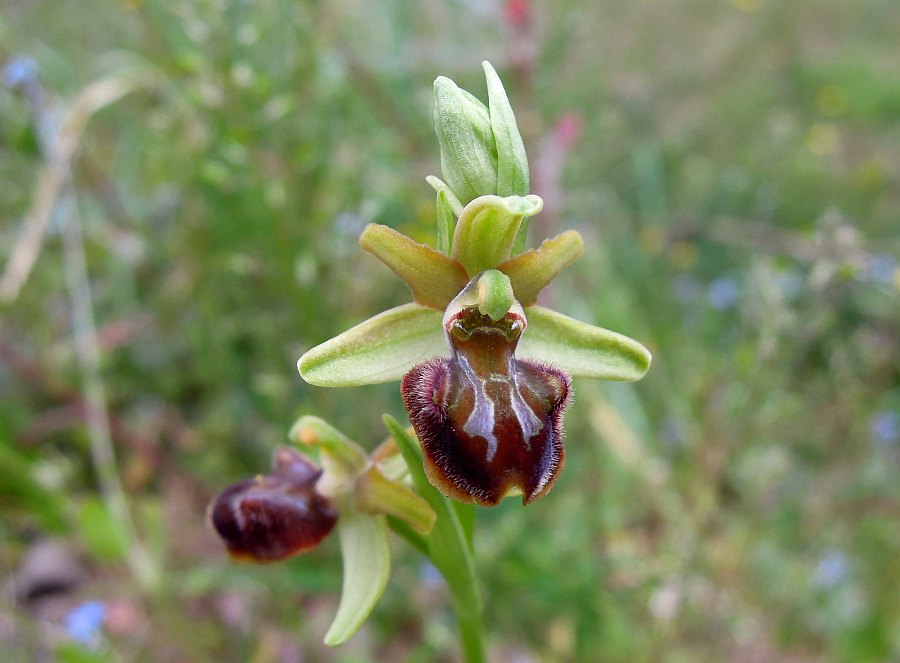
487,370
292,509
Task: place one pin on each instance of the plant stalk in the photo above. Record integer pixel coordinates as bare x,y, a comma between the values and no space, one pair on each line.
469,622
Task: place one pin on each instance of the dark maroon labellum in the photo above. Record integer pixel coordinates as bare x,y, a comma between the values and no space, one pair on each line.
489,423
276,515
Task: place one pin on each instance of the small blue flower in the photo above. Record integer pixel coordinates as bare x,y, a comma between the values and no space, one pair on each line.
723,293
21,70
882,268
832,568
885,428
84,621
430,577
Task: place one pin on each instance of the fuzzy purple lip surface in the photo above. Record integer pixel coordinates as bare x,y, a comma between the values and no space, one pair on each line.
489,423
275,516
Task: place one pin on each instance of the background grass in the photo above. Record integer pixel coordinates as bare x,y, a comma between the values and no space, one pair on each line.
734,169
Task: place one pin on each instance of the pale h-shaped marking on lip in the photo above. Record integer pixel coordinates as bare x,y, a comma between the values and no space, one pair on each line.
482,420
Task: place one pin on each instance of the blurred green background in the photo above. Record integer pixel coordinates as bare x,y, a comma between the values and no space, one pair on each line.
734,168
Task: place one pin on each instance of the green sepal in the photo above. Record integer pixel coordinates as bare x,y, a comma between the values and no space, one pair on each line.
366,555
433,277
381,349
580,349
468,153
440,186
446,222
532,271
495,294
487,229
512,163
331,443
377,494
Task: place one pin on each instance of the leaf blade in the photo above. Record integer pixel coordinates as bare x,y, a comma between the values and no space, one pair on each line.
449,545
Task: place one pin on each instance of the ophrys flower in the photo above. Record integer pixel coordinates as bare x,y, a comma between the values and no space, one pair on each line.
487,369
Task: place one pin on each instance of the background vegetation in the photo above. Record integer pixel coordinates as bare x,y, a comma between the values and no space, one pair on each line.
735,171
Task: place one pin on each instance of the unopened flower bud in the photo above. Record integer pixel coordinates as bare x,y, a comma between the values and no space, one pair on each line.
468,151
482,152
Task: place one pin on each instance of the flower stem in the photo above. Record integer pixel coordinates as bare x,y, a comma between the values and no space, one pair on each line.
449,547
466,599
469,622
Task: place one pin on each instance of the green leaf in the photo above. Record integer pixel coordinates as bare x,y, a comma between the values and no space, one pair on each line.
434,278
20,490
411,536
530,272
580,349
412,454
512,163
487,229
448,545
466,514
71,652
366,554
104,535
381,349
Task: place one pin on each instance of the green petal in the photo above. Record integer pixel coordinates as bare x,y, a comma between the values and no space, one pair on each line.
531,271
376,494
512,164
367,564
487,228
381,349
434,278
580,349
